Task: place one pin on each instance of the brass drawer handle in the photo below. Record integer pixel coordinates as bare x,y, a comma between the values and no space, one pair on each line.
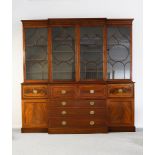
120,90
91,102
63,91
63,103
91,122
92,91
92,112
35,91
63,112
64,123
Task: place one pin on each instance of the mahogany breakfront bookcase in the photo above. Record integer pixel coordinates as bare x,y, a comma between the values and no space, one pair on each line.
77,76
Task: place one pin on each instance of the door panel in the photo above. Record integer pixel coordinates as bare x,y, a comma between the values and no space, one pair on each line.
34,113
120,112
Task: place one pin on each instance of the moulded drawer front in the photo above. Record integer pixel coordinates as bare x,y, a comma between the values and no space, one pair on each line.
93,91
78,103
77,112
35,91
75,123
63,91
120,90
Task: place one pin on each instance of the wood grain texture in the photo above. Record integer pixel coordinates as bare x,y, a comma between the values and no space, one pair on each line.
34,113
57,122
34,91
43,101
120,112
63,91
120,90
77,112
88,103
103,129
92,91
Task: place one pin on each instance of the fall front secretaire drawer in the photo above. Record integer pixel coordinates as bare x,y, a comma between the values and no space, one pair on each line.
35,91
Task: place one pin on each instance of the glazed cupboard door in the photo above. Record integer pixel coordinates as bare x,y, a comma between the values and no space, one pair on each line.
63,53
36,53
119,52
91,53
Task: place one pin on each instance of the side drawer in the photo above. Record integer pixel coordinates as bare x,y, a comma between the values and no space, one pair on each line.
35,91
78,103
92,91
120,90
63,91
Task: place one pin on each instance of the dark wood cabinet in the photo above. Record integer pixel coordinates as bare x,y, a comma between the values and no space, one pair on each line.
77,76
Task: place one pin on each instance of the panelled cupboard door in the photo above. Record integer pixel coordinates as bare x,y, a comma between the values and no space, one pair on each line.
120,112
34,113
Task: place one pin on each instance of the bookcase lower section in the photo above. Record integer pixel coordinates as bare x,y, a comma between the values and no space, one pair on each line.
77,108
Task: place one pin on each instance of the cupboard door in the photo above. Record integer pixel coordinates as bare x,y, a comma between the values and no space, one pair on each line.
118,49
91,53
121,112
63,53
34,113
36,57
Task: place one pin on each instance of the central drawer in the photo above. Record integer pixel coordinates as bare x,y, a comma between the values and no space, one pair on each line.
77,103
77,112
63,91
76,123
92,91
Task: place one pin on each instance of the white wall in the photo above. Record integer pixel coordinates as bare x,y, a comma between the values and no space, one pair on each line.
43,9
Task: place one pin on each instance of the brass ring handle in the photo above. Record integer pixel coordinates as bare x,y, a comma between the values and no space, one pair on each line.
63,122
91,102
35,91
92,91
92,112
63,112
91,122
120,90
63,103
63,91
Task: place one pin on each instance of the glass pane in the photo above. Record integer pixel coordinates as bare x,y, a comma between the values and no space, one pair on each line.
36,54
118,47
91,53
63,56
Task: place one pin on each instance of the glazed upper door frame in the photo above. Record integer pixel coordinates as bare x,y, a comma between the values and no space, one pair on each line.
77,23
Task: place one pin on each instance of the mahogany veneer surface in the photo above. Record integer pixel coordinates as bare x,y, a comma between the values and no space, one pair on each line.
76,106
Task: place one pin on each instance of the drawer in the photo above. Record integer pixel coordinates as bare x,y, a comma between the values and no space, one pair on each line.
92,91
120,90
78,103
35,91
77,112
57,122
63,91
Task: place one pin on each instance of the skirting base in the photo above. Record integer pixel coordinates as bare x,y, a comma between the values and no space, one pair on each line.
122,129
77,131
34,130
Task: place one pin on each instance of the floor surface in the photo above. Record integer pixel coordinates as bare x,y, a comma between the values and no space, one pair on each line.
123,143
